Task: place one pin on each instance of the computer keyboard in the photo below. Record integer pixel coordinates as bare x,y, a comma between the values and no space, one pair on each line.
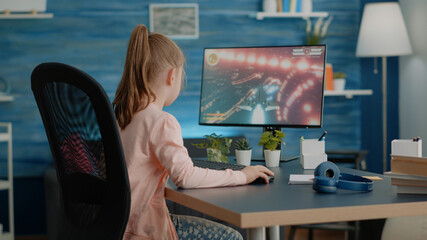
217,165
223,166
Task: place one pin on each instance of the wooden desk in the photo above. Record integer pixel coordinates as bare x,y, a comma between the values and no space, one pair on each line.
257,206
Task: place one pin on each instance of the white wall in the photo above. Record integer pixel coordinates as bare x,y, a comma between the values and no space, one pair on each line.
413,74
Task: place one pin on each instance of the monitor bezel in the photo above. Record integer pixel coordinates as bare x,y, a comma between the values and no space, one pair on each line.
264,125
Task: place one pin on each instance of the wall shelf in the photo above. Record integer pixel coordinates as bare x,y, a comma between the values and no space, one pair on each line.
6,98
4,184
349,93
25,15
7,184
262,15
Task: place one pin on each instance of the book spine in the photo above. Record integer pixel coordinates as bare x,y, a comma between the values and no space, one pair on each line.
298,6
409,167
280,5
292,6
407,182
409,158
286,5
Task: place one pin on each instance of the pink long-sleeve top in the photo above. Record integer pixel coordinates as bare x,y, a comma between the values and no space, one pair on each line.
154,151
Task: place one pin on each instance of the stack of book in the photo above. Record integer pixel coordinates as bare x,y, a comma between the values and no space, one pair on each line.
290,6
409,174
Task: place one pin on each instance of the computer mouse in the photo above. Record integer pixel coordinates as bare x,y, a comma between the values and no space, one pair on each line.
262,181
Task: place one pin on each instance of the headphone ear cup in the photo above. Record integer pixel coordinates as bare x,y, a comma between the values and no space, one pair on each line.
326,177
324,184
327,169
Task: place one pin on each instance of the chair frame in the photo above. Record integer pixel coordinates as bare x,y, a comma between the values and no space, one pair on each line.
116,209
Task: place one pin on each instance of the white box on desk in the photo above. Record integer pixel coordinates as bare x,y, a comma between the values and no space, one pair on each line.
311,161
312,146
407,147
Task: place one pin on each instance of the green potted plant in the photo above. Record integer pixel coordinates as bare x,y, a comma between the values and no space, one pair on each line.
217,147
315,35
271,140
339,81
243,151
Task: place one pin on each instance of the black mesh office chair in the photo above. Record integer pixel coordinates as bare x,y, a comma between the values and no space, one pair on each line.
86,148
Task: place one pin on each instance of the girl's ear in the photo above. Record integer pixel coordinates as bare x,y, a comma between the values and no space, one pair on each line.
171,76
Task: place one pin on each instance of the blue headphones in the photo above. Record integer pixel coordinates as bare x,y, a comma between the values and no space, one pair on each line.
327,179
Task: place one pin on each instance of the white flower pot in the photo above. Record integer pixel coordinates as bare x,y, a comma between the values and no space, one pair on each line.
243,157
269,6
339,84
272,158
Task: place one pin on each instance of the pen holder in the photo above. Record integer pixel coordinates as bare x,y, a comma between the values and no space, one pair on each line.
312,153
407,147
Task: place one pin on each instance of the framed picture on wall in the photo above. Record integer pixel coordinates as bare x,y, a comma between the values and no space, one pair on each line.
177,20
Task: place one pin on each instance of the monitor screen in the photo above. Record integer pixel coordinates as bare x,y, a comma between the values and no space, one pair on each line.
278,86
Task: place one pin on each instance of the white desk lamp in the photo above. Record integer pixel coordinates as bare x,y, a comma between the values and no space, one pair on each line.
382,34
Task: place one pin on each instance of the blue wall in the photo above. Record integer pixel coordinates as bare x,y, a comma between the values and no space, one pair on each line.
92,35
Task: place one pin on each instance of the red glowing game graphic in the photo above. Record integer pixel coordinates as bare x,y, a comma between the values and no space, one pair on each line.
263,86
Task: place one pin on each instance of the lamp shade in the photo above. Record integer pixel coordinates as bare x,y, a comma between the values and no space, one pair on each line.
382,31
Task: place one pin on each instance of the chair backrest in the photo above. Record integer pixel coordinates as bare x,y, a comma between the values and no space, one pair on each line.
83,136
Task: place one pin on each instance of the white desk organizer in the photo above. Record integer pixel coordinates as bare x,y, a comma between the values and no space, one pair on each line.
312,153
407,147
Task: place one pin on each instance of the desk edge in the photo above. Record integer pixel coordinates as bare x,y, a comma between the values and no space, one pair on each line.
204,207
336,214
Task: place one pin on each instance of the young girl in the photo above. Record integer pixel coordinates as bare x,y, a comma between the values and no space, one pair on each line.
153,144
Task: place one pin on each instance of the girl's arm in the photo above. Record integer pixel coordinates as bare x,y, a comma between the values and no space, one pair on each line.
167,146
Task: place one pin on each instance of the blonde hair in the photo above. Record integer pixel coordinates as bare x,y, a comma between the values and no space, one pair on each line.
147,55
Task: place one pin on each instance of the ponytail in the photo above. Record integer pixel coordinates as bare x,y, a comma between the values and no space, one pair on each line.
146,56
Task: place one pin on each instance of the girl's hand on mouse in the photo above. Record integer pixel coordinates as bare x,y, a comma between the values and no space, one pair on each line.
254,172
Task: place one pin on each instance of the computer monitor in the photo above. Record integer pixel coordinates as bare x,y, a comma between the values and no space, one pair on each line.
275,86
